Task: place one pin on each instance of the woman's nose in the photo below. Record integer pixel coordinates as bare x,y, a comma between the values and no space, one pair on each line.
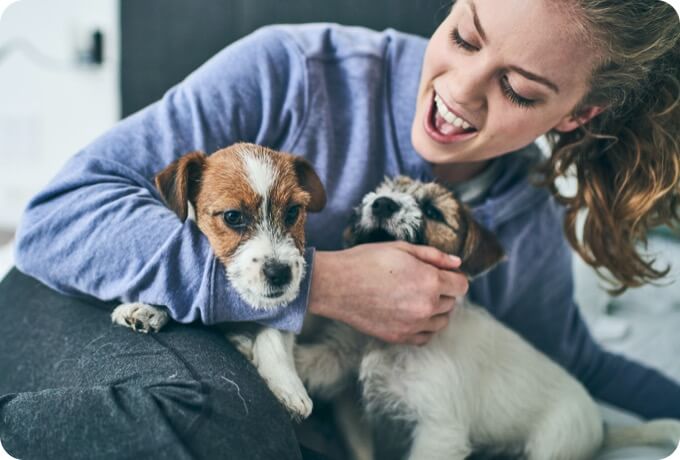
468,86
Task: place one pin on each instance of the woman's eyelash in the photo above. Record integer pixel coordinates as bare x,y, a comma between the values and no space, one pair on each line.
458,40
513,96
505,85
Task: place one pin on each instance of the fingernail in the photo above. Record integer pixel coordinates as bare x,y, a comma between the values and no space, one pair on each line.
454,258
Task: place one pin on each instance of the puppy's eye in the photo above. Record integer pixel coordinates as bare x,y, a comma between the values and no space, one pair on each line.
234,219
432,213
292,215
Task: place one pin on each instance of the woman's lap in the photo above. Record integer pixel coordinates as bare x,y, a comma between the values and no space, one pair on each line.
72,385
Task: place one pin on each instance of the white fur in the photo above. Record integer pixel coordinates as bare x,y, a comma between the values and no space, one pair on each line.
403,224
261,173
191,212
479,383
273,357
245,272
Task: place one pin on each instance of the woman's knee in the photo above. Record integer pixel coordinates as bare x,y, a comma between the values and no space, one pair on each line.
177,419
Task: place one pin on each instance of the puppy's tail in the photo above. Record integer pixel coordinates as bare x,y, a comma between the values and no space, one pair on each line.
662,432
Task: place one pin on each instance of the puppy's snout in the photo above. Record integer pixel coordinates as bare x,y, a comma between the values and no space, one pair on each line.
383,207
277,274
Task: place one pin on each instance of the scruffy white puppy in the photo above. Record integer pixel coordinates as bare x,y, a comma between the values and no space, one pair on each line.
477,385
251,203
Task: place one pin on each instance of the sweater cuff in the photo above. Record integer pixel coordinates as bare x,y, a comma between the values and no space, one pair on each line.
227,306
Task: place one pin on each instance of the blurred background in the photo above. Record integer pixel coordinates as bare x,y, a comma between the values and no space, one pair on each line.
69,69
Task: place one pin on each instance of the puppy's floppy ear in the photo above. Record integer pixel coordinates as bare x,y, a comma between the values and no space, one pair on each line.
349,235
179,182
480,250
311,183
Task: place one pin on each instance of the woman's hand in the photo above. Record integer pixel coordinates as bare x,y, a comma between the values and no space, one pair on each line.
397,292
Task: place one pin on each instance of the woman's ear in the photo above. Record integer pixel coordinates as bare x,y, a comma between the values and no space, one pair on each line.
573,121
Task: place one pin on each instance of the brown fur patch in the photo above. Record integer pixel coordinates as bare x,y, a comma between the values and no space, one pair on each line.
443,236
222,184
179,182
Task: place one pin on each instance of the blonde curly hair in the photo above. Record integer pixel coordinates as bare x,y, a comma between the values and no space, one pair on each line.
627,159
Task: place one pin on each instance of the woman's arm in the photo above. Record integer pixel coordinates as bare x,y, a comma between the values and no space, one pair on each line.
533,294
100,228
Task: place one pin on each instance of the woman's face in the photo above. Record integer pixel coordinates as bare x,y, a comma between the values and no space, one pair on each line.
497,75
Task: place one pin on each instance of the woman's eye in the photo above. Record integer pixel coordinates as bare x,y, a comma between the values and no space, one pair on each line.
458,40
292,215
234,219
513,96
432,213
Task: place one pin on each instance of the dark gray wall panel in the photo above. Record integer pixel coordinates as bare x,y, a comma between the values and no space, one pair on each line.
164,40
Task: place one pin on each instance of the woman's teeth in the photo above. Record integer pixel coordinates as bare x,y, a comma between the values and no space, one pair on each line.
449,116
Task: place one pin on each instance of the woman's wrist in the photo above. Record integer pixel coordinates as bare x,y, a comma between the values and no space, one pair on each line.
322,280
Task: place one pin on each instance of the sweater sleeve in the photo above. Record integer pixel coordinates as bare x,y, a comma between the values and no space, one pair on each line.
532,293
100,228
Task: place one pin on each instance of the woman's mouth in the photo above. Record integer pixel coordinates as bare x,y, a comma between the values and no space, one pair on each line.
444,126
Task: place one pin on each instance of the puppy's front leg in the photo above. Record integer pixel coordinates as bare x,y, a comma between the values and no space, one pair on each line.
273,357
434,441
330,363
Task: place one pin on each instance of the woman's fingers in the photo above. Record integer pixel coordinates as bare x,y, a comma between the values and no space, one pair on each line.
430,255
420,339
452,284
445,306
438,322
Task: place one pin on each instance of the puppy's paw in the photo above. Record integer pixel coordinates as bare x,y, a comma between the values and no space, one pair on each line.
294,397
139,317
243,343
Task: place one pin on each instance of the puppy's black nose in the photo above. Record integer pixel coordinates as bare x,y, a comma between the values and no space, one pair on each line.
277,274
384,207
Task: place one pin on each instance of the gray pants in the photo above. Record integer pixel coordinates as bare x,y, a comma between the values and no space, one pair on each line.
74,386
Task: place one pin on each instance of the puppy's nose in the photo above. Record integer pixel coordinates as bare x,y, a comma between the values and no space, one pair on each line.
384,207
277,274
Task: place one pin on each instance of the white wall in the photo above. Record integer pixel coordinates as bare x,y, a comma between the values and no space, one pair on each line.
50,104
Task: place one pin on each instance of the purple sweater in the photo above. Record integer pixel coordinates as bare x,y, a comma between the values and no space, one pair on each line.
343,98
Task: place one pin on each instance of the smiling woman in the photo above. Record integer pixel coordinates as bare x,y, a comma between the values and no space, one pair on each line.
495,67
485,93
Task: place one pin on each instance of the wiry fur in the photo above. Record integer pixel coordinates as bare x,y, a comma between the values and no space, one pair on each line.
262,185
476,384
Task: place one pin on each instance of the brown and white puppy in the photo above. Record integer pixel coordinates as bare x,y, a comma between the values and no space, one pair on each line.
476,384
251,204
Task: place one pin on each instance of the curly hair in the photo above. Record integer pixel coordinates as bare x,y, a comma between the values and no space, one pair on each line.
626,160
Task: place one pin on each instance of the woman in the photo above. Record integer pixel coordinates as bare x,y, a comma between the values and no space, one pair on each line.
463,108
